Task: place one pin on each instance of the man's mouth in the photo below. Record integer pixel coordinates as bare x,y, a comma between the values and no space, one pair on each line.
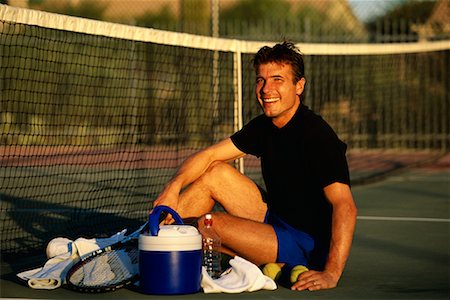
270,100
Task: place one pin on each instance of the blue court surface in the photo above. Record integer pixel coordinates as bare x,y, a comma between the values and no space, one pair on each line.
400,250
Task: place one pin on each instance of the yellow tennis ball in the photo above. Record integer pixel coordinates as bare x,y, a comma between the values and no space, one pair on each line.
297,271
272,270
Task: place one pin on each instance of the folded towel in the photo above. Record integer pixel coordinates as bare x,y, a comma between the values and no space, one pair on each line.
63,254
53,273
243,276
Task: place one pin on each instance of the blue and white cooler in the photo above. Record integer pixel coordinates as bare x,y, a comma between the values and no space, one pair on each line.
170,256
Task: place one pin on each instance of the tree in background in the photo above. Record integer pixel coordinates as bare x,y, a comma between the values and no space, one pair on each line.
193,17
399,21
303,21
250,18
84,8
163,19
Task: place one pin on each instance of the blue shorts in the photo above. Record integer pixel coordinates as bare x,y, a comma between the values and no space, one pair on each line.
294,246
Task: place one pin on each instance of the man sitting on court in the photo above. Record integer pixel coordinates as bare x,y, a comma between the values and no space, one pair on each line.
307,215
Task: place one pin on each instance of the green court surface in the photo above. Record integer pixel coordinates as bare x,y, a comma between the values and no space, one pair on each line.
400,250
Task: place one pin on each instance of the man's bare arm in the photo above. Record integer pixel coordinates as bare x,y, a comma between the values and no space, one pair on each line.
193,167
343,227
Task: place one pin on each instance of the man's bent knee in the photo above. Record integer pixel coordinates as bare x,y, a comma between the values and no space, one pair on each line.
235,192
219,168
218,171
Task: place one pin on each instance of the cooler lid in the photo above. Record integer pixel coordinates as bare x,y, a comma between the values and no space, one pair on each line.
177,230
172,238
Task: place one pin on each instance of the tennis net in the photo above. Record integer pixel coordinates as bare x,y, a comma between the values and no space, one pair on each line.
95,117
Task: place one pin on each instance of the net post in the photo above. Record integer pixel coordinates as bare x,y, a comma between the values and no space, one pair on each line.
238,122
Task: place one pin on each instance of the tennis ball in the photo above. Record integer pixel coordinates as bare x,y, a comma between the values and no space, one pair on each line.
296,271
272,270
57,246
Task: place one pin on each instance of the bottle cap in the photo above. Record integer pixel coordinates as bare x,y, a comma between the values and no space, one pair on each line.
208,220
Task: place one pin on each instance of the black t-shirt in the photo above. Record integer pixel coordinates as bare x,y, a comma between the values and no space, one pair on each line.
297,162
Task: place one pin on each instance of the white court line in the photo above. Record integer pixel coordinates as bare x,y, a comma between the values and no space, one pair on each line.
407,219
410,178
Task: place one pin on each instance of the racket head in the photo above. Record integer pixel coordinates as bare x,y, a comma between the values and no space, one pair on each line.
106,269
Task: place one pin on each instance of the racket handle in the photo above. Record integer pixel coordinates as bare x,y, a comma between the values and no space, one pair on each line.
154,218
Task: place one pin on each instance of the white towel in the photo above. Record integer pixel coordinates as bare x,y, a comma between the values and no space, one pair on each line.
97,272
62,254
243,276
54,271
85,246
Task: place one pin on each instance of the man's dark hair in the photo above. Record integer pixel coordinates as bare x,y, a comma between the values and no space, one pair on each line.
286,53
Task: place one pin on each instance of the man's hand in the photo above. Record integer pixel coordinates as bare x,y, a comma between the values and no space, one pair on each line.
314,281
169,197
171,202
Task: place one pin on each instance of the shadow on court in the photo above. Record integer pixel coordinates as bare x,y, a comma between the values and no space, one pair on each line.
30,224
400,248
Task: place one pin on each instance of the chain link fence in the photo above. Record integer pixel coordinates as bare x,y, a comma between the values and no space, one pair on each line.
313,21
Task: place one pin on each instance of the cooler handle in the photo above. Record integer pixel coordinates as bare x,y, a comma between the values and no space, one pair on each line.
154,218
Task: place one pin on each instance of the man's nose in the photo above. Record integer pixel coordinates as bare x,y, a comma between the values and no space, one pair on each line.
265,88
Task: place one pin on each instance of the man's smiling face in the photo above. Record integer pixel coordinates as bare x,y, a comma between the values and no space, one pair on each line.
277,93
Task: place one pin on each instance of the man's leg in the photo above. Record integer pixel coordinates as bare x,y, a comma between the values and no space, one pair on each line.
241,229
223,184
252,240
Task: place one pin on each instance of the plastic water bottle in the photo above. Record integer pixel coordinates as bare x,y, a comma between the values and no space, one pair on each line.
211,248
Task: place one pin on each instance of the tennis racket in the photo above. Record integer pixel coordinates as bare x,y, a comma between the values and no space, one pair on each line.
107,269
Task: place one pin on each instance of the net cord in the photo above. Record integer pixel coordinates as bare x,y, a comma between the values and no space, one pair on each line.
69,23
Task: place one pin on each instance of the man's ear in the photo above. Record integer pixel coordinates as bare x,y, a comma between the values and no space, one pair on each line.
300,86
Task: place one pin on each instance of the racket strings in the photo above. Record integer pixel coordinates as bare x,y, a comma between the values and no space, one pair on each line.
108,268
